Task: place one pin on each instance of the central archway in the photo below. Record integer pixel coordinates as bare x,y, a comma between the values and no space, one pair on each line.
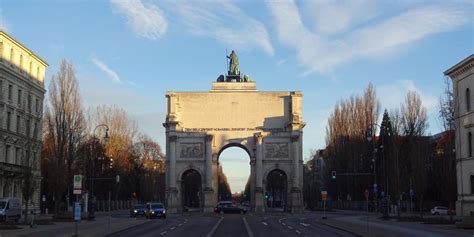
234,174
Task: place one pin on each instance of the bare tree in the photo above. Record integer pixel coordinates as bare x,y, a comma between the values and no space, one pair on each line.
63,130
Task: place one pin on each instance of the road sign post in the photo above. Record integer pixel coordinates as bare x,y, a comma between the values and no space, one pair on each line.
77,184
324,197
366,194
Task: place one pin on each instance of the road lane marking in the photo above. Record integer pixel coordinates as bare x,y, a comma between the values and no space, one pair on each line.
297,231
281,220
283,223
249,232
290,227
180,224
172,228
265,223
304,224
215,227
162,233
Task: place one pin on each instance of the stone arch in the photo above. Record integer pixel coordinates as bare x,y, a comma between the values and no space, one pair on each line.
276,188
245,147
191,189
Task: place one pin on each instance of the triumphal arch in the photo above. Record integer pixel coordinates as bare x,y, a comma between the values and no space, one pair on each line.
268,125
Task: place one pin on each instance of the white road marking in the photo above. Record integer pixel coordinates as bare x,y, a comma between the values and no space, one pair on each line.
304,224
281,220
249,232
172,228
180,224
215,227
290,227
283,223
162,233
265,223
297,231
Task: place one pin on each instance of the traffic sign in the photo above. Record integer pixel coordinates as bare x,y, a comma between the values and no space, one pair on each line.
77,184
366,193
324,195
77,211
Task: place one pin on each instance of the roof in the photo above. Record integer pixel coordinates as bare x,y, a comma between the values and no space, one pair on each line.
3,33
459,65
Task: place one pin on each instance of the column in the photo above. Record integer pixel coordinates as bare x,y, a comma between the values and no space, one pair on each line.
208,191
259,207
173,198
296,197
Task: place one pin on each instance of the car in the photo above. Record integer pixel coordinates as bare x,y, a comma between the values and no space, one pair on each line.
10,209
439,211
155,209
452,211
229,207
137,210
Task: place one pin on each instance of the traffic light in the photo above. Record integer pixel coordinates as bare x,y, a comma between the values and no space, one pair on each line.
333,174
266,195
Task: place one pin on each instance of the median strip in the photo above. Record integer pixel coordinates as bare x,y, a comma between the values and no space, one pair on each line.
249,232
215,227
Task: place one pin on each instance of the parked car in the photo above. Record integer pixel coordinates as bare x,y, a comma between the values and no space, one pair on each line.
155,209
229,207
137,210
452,211
439,211
10,209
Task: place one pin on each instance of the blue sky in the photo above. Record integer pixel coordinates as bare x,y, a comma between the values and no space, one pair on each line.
129,53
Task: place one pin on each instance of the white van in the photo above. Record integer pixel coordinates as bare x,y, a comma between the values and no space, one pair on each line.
10,209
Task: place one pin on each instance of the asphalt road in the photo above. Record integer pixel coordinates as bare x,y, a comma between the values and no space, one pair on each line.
233,225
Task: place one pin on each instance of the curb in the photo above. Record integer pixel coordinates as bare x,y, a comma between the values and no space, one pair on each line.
339,228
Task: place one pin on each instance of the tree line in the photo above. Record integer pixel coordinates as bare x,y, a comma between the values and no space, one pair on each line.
98,143
394,153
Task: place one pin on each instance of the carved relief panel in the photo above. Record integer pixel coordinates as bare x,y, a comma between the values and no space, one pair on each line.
276,150
191,150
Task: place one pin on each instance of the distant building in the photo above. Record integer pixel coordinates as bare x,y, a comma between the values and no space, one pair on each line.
21,107
462,75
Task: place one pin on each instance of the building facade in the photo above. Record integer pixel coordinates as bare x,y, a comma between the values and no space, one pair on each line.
462,75
21,107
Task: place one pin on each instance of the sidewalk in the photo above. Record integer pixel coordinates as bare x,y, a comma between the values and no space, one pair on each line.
376,227
105,223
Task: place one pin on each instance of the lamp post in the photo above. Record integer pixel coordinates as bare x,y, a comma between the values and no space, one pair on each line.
370,136
91,178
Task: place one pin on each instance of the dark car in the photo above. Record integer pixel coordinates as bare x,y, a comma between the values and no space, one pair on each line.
228,207
137,210
155,209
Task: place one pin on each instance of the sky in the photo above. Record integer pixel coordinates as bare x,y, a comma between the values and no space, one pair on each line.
130,52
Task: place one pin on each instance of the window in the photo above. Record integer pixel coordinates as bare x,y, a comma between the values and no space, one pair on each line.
28,128
7,153
11,56
21,62
9,120
18,156
10,92
469,145
472,184
37,106
19,96
30,70
468,100
18,123
29,103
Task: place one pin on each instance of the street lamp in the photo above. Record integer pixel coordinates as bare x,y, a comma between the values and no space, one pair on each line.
91,178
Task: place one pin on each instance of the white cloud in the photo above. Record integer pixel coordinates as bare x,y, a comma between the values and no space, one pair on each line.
223,21
106,69
325,50
145,19
393,95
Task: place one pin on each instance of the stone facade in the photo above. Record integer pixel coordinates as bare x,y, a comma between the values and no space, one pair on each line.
267,125
462,75
21,106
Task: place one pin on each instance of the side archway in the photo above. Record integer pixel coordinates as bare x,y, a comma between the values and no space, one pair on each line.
191,189
276,189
